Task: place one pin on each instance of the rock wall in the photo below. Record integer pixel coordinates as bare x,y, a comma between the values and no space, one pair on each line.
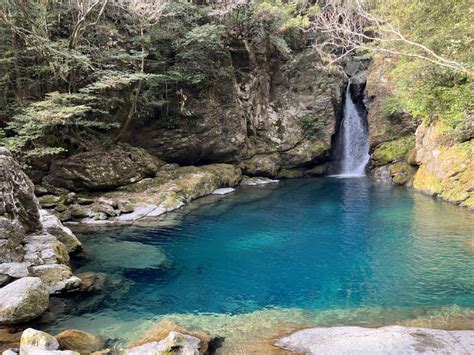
446,168
405,152
391,133
274,115
28,248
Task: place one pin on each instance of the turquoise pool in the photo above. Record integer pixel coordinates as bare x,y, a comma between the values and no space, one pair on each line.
313,246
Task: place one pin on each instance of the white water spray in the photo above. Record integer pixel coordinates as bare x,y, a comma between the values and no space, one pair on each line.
355,140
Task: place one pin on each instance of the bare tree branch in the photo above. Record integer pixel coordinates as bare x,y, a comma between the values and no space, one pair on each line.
343,27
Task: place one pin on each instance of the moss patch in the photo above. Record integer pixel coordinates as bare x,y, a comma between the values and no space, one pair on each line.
394,150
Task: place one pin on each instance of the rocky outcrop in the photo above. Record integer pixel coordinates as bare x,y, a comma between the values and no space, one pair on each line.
386,121
102,170
433,162
29,248
276,114
386,340
170,189
446,167
23,300
167,335
391,129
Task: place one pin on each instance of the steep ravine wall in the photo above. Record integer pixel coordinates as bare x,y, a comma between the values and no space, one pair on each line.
276,117
411,153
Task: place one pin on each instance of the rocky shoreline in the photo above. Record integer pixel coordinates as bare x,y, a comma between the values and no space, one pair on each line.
168,337
37,245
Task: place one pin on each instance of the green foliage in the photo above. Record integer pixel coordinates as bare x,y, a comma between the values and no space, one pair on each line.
201,53
430,92
64,115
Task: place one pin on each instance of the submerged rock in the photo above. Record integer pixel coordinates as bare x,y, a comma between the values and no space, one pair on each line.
23,300
91,281
79,341
386,340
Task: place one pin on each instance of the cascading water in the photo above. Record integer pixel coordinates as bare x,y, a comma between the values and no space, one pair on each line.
355,139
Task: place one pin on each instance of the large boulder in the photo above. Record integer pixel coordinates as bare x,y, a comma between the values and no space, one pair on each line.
23,300
102,170
56,277
386,340
82,342
36,342
167,330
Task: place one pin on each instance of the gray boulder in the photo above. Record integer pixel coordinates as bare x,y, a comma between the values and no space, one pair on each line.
53,225
385,340
15,270
36,342
23,300
102,170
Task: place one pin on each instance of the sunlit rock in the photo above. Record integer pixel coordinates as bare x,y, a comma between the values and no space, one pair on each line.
23,300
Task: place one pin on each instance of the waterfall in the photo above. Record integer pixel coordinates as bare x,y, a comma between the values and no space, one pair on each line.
355,141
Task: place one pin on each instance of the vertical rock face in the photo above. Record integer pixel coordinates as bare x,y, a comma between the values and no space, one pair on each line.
27,249
19,213
433,163
446,168
391,132
279,112
385,123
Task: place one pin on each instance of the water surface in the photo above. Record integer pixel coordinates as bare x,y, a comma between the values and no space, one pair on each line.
328,251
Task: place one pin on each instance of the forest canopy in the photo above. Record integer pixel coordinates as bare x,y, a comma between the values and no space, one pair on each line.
75,73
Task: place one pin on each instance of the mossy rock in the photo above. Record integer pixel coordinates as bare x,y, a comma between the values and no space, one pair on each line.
448,172
103,170
319,170
291,173
402,173
394,150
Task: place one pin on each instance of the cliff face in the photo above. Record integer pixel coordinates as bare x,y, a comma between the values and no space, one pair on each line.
32,242
407,152
446,168
274,117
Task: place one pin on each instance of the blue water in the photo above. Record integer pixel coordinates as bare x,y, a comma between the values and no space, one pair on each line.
313,244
